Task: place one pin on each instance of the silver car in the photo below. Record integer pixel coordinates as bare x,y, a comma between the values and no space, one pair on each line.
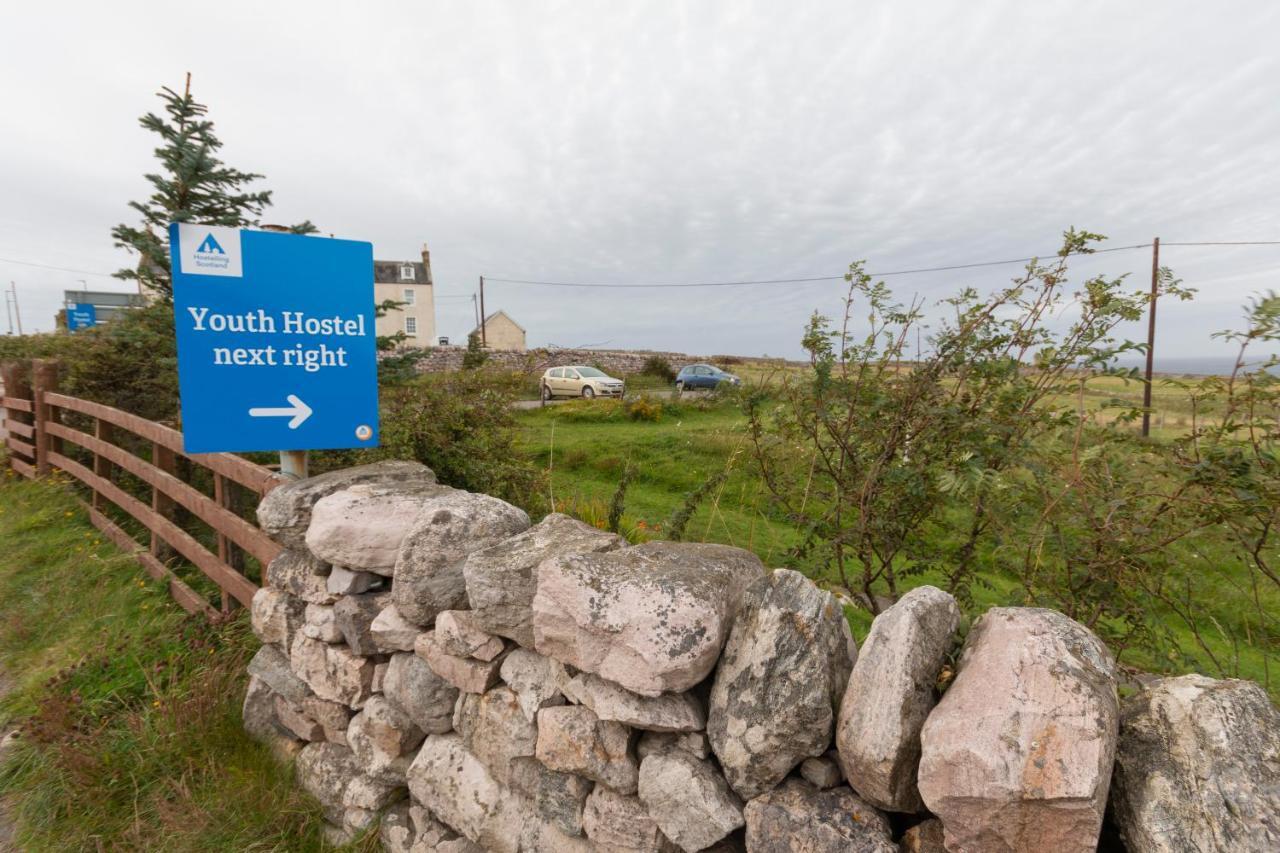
580,381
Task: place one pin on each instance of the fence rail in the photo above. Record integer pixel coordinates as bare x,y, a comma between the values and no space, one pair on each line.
41,437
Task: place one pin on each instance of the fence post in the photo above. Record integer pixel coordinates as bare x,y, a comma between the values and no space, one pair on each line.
17,387
44,380
101,431
166,460
224,495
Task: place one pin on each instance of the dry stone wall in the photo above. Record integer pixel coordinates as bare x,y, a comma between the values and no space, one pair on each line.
534,361
448,674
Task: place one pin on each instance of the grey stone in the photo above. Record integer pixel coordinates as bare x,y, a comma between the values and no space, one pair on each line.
323,771
336,835
778,686
1198,767
379,675
383,739
694,743
362,526
300,574
320,624
261,723
617,823
429,830
344,581
797,816
369,792
296,720
501,579
539,836
458,635
558,798
652,618
571,739
924,837
459,790
391,632
459,845
396,832
428,570
688,799
276,616
890,693
1018,753
467,674
354,615
670,712
272,666
537,680
333,672
494,730
333,717
356,821
285,513
821,772
424,697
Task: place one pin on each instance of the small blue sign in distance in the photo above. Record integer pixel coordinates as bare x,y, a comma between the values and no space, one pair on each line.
276,342
81,315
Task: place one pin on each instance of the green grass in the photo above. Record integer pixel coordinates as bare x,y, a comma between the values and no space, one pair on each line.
129,709
585,447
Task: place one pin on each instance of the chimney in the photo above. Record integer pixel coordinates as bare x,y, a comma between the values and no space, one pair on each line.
426,262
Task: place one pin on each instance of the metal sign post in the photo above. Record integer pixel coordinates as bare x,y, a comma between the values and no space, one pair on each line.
276,342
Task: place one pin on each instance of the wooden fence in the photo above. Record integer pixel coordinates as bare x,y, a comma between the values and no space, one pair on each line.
46,429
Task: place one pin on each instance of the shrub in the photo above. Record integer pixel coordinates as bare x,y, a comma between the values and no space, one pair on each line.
475,356
643,408
659,367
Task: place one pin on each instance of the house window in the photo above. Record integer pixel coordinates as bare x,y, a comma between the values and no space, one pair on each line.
411,325
410,296
406,272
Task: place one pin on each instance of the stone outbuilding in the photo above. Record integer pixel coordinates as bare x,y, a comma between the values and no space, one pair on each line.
501,332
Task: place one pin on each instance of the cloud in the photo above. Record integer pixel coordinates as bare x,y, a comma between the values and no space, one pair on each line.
671,142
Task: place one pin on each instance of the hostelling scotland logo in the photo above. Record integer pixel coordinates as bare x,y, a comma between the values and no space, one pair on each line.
209,250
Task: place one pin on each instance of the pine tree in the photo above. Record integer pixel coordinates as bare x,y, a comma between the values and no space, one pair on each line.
193,185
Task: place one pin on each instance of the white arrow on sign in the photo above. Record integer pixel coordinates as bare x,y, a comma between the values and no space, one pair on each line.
297,410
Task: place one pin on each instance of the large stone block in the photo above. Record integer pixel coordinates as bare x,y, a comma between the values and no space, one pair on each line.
1198,767
617,823
652,618
263,725
890,694
333,672
424,697
320,624
362,526
285,512
276,616
557,798
457,634
428,570
301,575
778,686
354,615
502,579
383,739
494,730
1018,754
467,674
391,632
459,789
572,739
670,712
538,681
797,816
688,799
274,668
324,770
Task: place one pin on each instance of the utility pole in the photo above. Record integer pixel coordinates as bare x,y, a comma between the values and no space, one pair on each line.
8,311
17,313
1151,337
484,341
475,306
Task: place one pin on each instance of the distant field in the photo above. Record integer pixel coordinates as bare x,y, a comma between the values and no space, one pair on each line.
586,445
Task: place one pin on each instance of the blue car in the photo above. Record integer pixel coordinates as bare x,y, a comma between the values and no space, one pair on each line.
703,376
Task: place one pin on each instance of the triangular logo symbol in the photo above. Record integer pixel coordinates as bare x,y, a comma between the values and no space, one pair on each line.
210,246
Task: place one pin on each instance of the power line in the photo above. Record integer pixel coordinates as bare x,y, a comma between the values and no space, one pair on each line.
59,269
811,278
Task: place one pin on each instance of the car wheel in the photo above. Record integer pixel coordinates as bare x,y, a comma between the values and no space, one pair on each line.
546,393
588,392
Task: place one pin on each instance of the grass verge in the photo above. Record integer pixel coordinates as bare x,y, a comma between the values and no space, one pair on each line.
129,710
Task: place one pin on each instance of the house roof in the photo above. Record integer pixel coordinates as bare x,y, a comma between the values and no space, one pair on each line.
388,272
499,313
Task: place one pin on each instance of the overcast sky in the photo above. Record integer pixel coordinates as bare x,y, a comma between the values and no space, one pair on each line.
668,142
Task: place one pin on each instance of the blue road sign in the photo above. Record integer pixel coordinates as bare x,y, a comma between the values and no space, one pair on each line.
276,340
81,315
